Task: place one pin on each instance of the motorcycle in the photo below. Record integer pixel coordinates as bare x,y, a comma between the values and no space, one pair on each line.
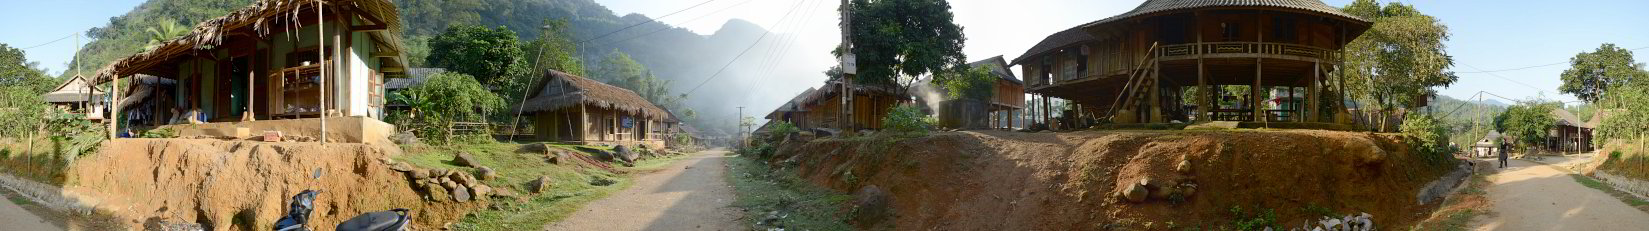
297,217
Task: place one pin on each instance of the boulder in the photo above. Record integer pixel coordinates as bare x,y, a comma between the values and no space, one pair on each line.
436,191
401,167
1187,189
462,179
450,185
439,172
465,159
1135,193
480,191
540,185
871,206
555,157
1184,167
625,154
486,173
419,174
461,194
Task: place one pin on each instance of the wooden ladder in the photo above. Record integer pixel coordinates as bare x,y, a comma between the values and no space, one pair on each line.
1141,80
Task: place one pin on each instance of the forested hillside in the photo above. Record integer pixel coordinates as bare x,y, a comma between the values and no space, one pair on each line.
671,53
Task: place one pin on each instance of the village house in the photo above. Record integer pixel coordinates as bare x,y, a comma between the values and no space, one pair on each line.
275,66
78,97
823,110
574,109
1569,134
1006,100
792,111
1170,60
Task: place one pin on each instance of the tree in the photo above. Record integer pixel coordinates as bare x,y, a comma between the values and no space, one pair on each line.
554,50
1400,59
492,56
1528,122
164,31
968,83
621,71
21,85
895,40
1629,119
450,97
1592,74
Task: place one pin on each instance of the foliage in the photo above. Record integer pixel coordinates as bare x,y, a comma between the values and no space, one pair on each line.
1629,119
618,69
780,198
21,85
1256,220
165,30
1430,136
891,38
491,55
159,133
1400,59
554,50
1528,122
1592,75
968,83
906,118
450,97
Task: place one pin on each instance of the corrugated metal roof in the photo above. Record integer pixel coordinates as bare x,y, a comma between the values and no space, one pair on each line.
1077,34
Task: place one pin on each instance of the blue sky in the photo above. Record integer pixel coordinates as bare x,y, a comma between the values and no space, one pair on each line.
1487,34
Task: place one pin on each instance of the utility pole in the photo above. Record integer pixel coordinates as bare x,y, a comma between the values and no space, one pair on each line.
848,64
740,121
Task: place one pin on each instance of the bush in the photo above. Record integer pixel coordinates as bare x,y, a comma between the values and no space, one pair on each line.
447,98
1429,136
1631,118
907,118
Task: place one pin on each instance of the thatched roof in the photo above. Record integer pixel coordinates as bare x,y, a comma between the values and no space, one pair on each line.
557,90
263,16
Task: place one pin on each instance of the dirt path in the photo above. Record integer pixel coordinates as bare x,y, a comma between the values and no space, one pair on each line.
1530,196
14,217
690,195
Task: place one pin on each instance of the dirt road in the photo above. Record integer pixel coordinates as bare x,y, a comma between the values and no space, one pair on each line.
690,195
1530,196
14,217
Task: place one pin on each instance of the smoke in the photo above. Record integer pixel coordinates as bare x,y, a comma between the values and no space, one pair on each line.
928,94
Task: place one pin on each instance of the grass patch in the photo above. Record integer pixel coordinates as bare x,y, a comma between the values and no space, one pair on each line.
1634,201
782,200
571,186
1457,212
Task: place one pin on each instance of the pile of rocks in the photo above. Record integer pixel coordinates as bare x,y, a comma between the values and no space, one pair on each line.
1178,187
1359,222
444,184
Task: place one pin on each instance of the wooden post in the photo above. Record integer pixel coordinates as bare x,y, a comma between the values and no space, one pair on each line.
1156,91
320,32
1202,92
1254,91
114,107
1313,110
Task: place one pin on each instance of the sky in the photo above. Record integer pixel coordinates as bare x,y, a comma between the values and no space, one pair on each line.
1487,35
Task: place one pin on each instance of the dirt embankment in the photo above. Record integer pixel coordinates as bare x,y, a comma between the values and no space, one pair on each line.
233,185
994,180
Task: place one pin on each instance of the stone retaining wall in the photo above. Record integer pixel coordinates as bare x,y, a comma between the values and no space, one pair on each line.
1634,186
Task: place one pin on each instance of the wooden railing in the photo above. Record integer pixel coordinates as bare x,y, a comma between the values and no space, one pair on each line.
1189,49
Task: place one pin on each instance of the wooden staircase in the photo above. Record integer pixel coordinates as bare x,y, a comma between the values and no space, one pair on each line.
1137,92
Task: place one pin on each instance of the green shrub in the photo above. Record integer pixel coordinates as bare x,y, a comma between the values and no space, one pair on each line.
1259,220
1428,135
907,118
449,97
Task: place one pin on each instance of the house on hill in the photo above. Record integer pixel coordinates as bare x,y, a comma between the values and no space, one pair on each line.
278,66
824,108
792,111
77,96
1006,99
1170,60
574,109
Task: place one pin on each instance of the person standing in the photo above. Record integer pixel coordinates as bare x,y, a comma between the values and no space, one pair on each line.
1503,148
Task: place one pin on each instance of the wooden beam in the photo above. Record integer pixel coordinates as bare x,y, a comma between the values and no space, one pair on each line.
392,69
368,28
386,54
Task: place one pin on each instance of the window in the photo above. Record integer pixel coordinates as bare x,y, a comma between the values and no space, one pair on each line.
1230,31
1046,75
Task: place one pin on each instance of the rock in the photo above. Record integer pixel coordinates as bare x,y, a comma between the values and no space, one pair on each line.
540,185
437,192
462,179
505,193
871,206
481,191
465,159
461,194
1162,192
401,167
486,173
419,174
439,172
450,185
1187,189
1135,193
1331,224
554,157
625,154
1184,167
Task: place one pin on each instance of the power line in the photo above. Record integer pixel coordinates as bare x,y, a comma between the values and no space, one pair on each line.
746,50
53,41
1504,78
645,22
1529,67
785,49
681,23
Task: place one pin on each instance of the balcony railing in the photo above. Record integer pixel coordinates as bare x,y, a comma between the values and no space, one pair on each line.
1191,49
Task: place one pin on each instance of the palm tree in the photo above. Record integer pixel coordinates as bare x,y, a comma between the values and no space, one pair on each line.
166,31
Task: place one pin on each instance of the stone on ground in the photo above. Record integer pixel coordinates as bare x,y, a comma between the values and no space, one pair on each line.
486,173
465,159
540,185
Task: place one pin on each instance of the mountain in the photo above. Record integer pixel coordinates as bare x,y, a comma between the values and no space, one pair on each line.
671,53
